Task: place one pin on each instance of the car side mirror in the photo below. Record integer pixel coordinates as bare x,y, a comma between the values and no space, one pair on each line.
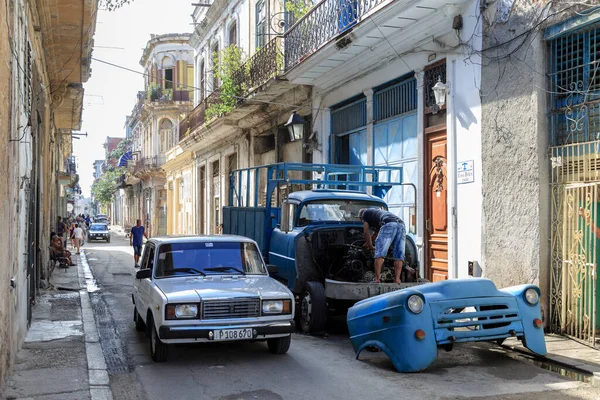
143,274
272,269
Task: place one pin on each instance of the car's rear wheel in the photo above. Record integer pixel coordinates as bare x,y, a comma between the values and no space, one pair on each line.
140,326
313,308
279,345
158,349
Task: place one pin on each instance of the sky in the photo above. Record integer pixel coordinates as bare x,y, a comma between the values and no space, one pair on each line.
110,93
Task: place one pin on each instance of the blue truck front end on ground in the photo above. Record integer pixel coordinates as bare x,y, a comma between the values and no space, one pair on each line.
411,324
305,219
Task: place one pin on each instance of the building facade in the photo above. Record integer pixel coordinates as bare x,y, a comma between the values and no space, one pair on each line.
41,106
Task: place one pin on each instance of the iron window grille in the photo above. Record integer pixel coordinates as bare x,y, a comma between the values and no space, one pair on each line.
574,86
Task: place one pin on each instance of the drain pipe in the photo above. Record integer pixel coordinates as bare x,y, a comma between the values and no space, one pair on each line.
453,174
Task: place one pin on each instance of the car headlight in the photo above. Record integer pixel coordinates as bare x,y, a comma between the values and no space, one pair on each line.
415,304
277,307
181,311
531,296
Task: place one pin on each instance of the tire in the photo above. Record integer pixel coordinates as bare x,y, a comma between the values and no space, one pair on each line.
108,240
140,325
279,345
158,349
313,308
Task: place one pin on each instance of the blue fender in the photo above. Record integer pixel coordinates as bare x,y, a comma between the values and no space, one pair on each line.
533,338
385,322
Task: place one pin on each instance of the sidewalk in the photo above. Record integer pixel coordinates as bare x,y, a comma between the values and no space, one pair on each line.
566,352
61,357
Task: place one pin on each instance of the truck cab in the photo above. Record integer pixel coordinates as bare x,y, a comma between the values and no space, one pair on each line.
313,238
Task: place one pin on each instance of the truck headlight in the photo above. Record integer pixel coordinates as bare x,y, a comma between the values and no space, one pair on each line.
531,296
277,307
181,311
415,304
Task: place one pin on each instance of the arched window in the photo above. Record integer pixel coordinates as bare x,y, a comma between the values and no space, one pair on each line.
165,134
233,34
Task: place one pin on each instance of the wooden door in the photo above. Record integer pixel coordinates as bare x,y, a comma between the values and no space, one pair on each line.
436,210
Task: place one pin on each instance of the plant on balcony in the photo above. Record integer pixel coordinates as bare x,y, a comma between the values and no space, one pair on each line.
167,94
298,8
227,64
154,92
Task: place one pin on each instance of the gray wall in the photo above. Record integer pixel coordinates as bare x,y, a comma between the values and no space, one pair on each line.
515,140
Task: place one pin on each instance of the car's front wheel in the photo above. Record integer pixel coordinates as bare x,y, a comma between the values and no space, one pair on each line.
279,345
313,308
158,349
107,240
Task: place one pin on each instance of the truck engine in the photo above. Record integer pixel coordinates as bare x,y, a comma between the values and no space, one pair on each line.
341,256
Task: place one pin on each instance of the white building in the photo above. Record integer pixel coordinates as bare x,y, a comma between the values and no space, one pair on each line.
372,72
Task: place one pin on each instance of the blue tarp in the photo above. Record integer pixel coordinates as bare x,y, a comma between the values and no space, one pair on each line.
124,159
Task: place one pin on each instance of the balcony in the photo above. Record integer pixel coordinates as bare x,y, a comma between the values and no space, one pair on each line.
158,94
257,80
147,164
337,39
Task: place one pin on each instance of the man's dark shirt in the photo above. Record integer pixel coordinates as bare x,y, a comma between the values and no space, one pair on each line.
60,228
137,234
376,218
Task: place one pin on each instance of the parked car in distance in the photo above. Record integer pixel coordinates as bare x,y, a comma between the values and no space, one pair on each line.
102,220
99,231
409,325
194,289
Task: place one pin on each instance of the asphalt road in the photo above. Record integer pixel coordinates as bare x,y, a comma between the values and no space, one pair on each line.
314,367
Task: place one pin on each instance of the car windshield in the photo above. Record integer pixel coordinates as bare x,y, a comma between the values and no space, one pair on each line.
333,211
98,227
209,258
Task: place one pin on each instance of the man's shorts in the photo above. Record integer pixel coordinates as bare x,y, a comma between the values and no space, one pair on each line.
137,250
391,232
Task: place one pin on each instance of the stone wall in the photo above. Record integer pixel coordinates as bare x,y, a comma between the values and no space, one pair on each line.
6,350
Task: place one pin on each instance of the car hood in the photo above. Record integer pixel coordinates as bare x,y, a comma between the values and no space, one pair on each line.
189,289
460,289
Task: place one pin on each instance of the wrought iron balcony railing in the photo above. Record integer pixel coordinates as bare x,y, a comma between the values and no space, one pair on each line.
325,21
197,116
148,164
265,64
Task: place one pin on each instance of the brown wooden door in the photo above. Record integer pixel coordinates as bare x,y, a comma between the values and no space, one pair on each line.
436,198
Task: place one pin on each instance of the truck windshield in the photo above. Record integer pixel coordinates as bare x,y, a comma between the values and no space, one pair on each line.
333,211
206,258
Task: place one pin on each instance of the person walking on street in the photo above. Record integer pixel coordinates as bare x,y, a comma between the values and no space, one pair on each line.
389,230
136,240
78,237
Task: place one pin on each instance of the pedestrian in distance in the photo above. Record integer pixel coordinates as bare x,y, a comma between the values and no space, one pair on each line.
136,239
72,234
61,229
78,237
389,231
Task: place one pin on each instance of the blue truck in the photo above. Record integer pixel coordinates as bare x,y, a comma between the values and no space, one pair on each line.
304,218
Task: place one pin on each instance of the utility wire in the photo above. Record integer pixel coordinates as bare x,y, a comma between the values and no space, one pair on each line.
196,88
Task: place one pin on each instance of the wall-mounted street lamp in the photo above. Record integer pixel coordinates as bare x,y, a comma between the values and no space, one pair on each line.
295,126
439,91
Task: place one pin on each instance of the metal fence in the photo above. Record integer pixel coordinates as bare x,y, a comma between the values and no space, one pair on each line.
575,233
325,21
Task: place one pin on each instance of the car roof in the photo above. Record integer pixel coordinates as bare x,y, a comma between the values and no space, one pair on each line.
200,239
324,194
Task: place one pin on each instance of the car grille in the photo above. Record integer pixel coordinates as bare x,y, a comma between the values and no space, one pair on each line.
231,308
475,314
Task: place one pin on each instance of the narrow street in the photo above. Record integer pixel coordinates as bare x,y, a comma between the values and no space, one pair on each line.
314,368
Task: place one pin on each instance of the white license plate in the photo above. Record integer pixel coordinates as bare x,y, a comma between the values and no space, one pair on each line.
232,334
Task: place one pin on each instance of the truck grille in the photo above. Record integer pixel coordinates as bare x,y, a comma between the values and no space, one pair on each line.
231,308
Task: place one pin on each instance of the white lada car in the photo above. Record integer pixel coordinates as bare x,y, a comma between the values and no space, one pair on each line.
209,289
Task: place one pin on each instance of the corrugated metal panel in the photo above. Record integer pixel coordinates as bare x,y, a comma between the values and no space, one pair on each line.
396,100
350,117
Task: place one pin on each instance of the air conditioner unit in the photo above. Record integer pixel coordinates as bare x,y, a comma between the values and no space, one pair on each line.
583,168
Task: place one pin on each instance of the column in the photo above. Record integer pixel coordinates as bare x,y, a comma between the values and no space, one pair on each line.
420,212
370,122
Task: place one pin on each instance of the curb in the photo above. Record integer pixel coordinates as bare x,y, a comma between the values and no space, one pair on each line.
98,374
594,377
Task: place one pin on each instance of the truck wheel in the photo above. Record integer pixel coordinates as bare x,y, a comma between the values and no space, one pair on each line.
140,326
279,345
313,308
158,349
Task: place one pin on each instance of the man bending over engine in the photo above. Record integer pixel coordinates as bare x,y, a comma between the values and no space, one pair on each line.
389,229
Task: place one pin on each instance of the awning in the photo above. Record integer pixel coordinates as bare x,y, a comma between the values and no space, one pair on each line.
124,159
